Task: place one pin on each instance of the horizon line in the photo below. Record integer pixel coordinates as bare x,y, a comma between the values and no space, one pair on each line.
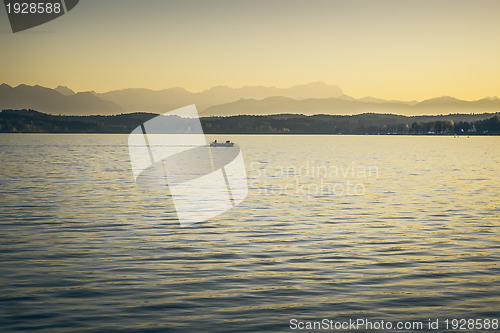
260,115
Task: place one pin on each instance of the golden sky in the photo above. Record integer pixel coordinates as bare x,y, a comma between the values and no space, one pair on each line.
396,49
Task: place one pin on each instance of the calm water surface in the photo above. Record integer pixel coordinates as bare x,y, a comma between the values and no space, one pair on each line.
341,227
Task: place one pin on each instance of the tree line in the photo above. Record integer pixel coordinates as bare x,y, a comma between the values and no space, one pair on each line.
31,121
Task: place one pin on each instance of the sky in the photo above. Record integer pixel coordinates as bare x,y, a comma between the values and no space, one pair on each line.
392,49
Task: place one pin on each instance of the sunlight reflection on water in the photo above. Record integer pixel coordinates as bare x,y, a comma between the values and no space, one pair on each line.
82,247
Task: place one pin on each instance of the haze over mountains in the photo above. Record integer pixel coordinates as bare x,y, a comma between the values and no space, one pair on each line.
313,98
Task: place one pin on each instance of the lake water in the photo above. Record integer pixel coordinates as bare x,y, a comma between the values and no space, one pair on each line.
393,228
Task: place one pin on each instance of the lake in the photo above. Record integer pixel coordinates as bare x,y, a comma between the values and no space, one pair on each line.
393,228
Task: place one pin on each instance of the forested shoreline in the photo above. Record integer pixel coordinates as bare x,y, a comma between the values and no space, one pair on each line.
31,121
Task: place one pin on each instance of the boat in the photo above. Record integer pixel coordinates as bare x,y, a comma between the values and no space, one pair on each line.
221,144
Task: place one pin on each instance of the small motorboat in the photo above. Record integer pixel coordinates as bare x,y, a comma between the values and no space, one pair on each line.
221,144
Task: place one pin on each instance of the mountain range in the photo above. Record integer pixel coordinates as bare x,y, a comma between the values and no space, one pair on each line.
312,98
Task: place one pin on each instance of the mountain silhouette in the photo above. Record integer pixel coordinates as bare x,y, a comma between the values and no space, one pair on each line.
54,102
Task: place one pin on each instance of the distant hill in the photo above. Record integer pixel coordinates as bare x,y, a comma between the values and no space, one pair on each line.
64,90
53,101
447,104
30,121
332,106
